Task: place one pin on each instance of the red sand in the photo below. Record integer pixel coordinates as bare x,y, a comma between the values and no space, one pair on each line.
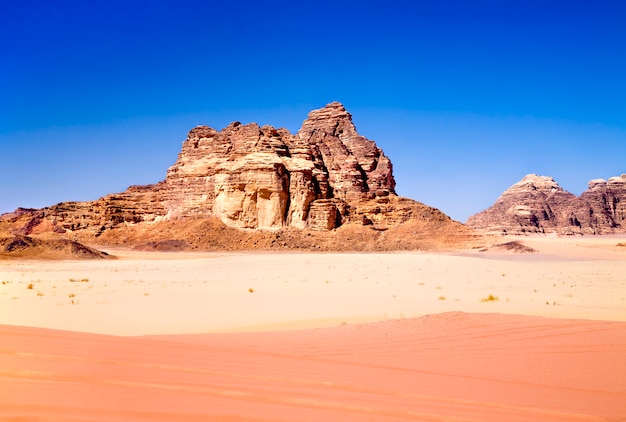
452,366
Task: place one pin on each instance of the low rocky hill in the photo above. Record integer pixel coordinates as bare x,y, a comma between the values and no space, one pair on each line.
42,248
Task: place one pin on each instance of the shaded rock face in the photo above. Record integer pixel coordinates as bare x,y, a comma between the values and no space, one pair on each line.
349,164
249,177
537,204
602,207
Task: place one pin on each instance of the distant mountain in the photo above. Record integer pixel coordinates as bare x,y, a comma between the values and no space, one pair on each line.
537,204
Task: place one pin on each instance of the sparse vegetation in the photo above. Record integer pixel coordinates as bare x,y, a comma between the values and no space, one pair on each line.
30,286
251,290
490,298
441,298
82,280
39,294
71,295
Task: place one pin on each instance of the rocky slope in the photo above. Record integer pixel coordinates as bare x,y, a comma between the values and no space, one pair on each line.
38,248
537,204
321,179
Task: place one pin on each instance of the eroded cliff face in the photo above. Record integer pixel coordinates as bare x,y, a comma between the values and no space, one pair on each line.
602,207
249,177
537,204
262,177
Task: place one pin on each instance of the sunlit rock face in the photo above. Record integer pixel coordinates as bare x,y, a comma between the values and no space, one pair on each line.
262,177
250,177
537,204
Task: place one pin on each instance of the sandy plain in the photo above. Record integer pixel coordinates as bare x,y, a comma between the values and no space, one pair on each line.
294,336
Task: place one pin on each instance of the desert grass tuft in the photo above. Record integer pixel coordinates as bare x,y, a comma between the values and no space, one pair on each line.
490,298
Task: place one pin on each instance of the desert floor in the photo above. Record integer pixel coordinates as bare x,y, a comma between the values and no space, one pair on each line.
471,335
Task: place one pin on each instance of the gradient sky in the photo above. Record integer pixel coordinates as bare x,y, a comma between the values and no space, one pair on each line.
465,97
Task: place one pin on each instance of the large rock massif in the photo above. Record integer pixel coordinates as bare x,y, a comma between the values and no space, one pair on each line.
261,177
537,204
323,178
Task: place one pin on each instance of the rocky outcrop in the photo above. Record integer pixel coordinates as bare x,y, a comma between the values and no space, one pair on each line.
261,177
602,207
537,204
529,206
351,164
34,248
250,177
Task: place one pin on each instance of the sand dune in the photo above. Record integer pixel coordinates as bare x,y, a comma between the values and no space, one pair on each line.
452,366
114,340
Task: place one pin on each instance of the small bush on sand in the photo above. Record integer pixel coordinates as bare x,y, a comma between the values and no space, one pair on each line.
490,298
30,286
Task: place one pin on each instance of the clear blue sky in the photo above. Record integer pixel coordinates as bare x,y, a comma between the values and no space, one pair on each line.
466,97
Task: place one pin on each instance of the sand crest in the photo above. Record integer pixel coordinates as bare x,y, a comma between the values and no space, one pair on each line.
452,366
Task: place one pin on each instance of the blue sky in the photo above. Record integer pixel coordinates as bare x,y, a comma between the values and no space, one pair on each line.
466,97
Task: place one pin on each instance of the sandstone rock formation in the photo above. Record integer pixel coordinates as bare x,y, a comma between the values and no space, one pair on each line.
537,204
261,177
249,177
